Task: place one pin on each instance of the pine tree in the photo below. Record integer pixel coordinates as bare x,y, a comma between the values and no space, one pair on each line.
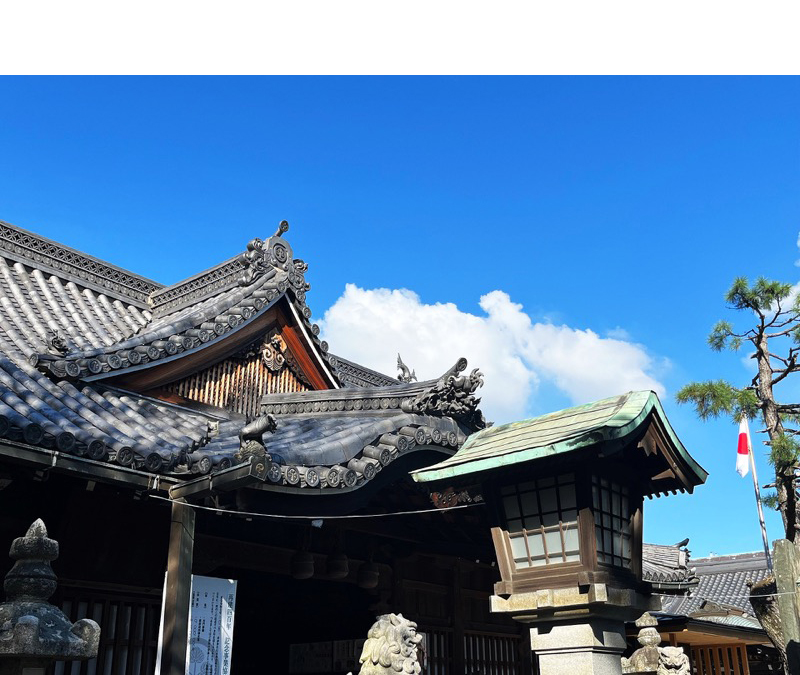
775,338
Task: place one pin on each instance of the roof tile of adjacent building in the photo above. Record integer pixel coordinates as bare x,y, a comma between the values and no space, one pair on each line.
723,582
667,567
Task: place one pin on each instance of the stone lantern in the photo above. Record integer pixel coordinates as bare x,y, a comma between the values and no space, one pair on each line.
565,494
34,633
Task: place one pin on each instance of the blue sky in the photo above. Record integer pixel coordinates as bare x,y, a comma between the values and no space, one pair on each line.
619,208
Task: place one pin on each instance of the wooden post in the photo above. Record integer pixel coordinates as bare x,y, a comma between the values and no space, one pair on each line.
178,590
458,609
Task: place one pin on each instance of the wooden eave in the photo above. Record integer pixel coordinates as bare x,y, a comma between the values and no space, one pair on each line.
687,630
48,460
155,374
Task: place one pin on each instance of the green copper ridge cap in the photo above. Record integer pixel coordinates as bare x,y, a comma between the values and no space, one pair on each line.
556,433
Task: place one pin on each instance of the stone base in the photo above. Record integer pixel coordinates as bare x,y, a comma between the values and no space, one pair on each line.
591,647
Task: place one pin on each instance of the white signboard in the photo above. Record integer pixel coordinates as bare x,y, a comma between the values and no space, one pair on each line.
211,613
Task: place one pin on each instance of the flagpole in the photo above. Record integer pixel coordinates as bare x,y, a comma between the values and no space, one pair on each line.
758,503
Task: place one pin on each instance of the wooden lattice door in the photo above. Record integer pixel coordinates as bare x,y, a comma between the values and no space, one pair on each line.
720,660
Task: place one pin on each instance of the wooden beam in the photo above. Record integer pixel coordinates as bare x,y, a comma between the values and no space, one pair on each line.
178,590
60,462
241,475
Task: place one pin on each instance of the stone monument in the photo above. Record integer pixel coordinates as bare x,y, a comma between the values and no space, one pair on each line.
391,647
651,658
34,633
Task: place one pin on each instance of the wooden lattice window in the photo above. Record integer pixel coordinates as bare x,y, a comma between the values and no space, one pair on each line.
612,520
542,521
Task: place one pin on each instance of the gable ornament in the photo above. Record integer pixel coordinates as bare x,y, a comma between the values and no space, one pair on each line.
273,352
261,256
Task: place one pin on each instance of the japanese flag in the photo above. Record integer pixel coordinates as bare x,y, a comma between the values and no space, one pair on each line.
744,449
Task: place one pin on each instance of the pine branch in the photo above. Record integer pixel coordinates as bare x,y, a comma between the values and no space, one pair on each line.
784,361
717,398
793,317
779,334
784,373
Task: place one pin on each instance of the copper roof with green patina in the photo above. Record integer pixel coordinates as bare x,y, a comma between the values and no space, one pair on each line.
555,433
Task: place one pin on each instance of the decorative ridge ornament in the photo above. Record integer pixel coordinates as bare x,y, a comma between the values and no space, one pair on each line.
31,629
283,228
261,255
251,438
406,375
85,270
451,396
272,352
56,343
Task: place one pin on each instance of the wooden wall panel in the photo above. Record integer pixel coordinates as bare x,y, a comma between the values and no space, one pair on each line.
238,383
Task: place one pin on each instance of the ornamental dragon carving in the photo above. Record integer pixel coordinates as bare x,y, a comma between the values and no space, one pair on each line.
391,647
453,395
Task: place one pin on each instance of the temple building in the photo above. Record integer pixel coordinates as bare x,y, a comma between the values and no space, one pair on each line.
205,428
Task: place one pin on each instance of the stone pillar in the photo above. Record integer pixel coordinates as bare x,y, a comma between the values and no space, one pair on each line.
591,647
577,630
34,633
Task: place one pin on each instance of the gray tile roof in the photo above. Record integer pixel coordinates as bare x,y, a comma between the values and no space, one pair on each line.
667,567
52,393
187,316
722,580
35,304
18,245
356,445
355,375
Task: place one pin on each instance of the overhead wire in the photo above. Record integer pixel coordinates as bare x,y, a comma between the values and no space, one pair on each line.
281,516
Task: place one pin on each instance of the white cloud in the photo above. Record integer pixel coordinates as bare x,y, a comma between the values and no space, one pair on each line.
618,333
797,262
517,355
